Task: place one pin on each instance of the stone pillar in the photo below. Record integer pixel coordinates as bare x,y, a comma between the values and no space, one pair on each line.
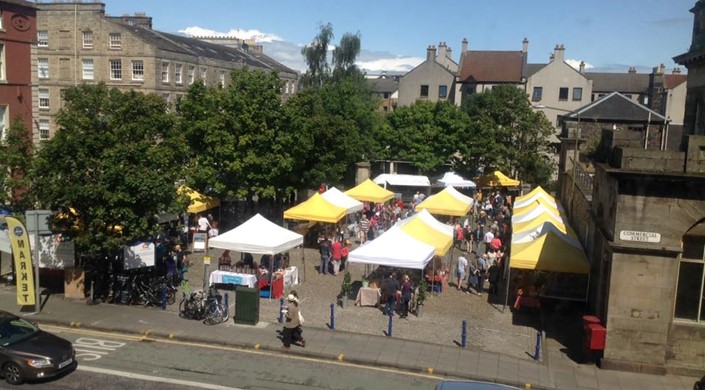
362,172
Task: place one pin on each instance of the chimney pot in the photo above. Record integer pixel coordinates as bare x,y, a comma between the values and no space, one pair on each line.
463,46
525,45
582,67
676,70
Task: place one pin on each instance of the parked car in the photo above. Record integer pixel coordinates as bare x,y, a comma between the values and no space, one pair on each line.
473,385
29,353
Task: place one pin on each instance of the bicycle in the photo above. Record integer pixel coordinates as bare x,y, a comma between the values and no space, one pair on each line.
215,310
192,306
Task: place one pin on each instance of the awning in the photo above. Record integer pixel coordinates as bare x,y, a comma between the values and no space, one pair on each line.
334,196
529,213
199,202
452,179
549,253
368,191
497,179
257,235
446,202
402,180
537,222
423,227
316,208
394,248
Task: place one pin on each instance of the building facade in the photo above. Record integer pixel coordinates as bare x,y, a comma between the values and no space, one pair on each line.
18,29
694,61
433,80
78,43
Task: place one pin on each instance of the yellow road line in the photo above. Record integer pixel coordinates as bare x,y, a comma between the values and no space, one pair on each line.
243,350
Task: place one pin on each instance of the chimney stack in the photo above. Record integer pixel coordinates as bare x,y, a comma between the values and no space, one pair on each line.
676,70
559,53
661,69
525,45
449,52
464,47
632,70
430,53
582,67
442,49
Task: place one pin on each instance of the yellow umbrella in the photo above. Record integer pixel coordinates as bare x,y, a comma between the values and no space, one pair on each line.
369,191
199,202
497,179
316,208
549,253
445,203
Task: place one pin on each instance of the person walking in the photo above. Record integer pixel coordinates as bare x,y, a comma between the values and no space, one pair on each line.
325,251
336,255
344,252
460,272
297,335
203,224
482,273
390,286
291,315
472,279
363,227
407,289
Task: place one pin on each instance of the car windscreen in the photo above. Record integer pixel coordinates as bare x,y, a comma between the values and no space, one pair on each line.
14,330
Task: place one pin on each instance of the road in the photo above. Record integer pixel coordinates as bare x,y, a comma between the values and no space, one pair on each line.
116,361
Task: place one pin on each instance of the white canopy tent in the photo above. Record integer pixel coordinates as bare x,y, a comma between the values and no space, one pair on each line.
394,248
402,180
452,179
258,236
534,213
340,199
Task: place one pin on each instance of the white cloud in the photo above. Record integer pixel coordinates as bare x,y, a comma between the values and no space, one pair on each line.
392,64
258,36
576,64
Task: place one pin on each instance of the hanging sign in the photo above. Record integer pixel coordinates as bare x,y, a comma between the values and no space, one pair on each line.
19,240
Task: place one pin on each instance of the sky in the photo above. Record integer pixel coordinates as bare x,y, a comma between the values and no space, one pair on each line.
609,35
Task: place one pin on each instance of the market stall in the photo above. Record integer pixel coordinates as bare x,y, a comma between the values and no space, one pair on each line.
447,202
536,222
496,179
543,228
199,202
535,194
452,179
340,199
368,191
423,227
316,208
394,248
532,212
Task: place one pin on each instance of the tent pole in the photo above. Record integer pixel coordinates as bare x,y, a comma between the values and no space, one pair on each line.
271,275
506,294
587,288
303,257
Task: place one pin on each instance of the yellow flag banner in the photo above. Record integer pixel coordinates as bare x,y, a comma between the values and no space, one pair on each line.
19,240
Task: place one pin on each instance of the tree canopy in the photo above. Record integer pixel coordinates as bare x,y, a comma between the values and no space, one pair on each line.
15,164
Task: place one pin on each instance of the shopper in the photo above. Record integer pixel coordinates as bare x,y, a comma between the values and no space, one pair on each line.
407,290
291,315
460,272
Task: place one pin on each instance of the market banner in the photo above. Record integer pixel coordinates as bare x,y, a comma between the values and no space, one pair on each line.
23,261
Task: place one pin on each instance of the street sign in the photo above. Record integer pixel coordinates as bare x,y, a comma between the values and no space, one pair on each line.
206,260
633,235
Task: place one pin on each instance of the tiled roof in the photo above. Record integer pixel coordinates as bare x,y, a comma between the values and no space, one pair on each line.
383,84
673,80
492,67
619,82
532,69
616,107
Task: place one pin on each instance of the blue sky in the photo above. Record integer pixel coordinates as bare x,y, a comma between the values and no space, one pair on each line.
609,35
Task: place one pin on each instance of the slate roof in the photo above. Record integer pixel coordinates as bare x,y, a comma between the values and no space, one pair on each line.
615,107
532,69
493,67
383,84
620,82
673,80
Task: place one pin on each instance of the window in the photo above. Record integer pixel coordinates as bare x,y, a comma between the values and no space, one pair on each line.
577,94
115,40
204,74
424,91
65,68
87,69
3,75
44,98
43,38
43,129
537,95
293,87
115,70
138,70
43,68
1,25
191,74
563,94
442,91
178,79
221,79
165,72
87,39
690,292
4,122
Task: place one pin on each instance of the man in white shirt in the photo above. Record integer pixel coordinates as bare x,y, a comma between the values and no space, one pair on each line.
489,236
460,273
203,224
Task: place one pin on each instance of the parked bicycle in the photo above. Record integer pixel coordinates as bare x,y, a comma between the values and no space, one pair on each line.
207,307
215,310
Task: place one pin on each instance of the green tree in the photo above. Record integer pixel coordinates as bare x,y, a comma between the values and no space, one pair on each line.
316,57
114,160
15,163
505,133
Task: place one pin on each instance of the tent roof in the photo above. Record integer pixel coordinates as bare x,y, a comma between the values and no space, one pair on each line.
462,197
535,191
199,202
257,235
536,222
423,227
403,180
530,235
497,179
394,248
526,200
531,212
445,202
549,252
452,179
368,191
316,208
334,196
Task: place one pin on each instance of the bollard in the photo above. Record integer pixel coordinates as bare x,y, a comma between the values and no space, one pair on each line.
332,316
227,305
537,353
164,298
281,310
391,320
464,335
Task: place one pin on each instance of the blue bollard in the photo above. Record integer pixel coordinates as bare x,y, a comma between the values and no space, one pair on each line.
537,353
391,321
227,305
281,310
163,298
464,335
332,316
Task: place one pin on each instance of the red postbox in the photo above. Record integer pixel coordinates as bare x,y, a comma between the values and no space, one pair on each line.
597,335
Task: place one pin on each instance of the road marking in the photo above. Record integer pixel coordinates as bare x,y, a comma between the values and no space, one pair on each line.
90,349
151,378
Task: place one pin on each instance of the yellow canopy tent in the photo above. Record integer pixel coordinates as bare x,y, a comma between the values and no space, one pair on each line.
497,179
533,205
316,208
536,191
428,230
369,191
199,202
549,252
445,203
537,222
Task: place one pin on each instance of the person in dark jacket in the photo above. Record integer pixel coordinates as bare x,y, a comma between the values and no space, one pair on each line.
390,286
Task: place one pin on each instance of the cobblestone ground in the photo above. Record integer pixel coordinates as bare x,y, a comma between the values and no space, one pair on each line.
488,327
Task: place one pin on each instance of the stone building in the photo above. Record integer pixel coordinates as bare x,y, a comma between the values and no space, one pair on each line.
78,43
433,80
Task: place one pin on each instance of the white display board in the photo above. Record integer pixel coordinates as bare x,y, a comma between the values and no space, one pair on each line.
140,255
54,252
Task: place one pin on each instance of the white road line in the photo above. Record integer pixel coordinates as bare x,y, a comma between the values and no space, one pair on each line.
150,378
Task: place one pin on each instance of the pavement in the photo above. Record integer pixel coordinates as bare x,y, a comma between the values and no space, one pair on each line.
554,371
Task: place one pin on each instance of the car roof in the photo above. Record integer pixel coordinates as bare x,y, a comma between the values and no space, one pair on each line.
6,316
472,385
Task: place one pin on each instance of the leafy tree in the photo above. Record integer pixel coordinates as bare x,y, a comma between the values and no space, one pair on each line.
15,163
505,133
114,160
344,56
316,57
